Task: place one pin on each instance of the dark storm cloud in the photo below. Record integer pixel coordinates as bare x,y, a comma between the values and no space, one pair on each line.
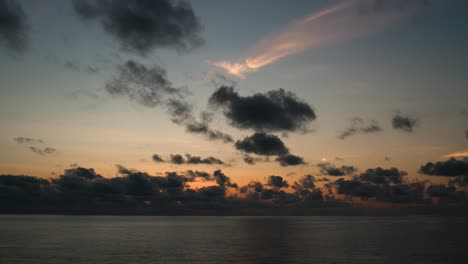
189,159
358,125
42,151
143,25
13,26
290,160
383,176
331,170
450,168
277,182
25,140
223,180
262,144
404,123
150,87
277,110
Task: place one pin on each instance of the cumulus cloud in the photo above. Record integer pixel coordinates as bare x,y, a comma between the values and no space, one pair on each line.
144,25
404,123
267,145
157,158
25,140
358,125
330,169
383,176
277,182
450,168
262,144
290,160
150,87
13,26
306,182
277,110
223,180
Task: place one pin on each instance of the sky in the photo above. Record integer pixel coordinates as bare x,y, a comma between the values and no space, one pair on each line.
254,88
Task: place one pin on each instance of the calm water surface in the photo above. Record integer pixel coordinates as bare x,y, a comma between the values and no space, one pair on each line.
316,239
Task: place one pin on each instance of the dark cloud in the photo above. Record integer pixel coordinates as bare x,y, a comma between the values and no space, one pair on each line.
189,159
290,160
450,168
143,25
157,158
277,182
199,175
25,140
249,159
13,26
150,87
262,144
404,123
306,182
466,134
223,180
358,125
331,170
383,176
277,110
43,151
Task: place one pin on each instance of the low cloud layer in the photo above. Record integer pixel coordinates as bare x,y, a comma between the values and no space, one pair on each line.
358,125
404,123
449,168
277,110
83,190
13,26
144,25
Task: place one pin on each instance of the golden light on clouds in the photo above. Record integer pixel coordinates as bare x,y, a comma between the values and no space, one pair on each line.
330,25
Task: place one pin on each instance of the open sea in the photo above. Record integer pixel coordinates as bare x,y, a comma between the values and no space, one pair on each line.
172,239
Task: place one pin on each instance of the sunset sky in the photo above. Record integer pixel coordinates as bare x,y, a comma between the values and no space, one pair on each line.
366,84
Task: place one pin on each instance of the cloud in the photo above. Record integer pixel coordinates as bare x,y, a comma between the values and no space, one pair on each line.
450,168
277,110
277,182
25,140
466,133
144,25
157,158
290,160
330,169
13,26
383,176
223,180
150,87
457,154
189,159
262,144
306,182
43,151
404,123
68,64
358,125
332,24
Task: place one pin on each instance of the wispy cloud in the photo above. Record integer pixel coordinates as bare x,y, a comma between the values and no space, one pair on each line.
330,25
457,154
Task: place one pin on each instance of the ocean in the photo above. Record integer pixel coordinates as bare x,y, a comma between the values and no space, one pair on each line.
243,239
